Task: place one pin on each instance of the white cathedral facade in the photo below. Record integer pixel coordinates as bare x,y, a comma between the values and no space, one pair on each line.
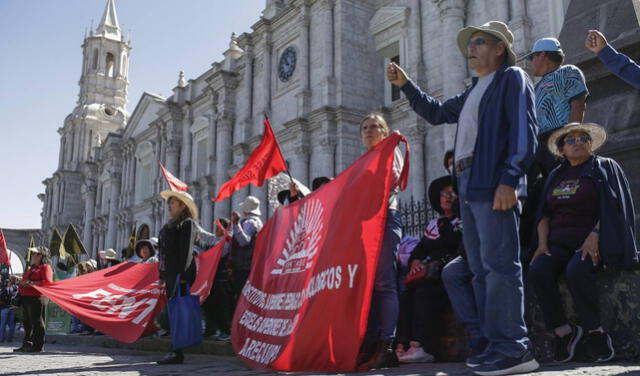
315,66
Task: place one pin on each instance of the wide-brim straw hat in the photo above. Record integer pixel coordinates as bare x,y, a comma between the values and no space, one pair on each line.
185,198
597,133
434,191
251,205
108,254
495,28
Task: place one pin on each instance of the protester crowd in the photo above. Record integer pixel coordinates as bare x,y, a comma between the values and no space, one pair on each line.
526,195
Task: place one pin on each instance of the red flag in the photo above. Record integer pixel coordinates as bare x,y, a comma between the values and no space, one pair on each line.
306,303
5,259
118,301
207,263
122,300
264,162
175,184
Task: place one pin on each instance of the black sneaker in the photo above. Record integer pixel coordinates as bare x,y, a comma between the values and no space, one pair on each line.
504,365
599,347
565,347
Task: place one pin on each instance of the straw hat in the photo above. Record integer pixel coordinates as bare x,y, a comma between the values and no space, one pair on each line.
251,205
495,28
597,133
108,254
184,197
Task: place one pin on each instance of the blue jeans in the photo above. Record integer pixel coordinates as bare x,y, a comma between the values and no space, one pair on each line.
383,315
8,321
493,252
457,278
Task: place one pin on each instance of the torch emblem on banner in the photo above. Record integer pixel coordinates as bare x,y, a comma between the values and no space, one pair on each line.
302,245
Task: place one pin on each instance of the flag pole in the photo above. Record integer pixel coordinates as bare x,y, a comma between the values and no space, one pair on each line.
279,151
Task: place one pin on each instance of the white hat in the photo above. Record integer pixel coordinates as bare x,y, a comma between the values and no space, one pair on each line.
184,197
495,28
108,254
596,132
251,205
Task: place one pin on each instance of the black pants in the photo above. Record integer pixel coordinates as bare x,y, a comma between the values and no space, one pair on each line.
581,281
239,279
34,309
218,307
421,314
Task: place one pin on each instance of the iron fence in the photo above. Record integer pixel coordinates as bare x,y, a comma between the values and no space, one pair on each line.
415,215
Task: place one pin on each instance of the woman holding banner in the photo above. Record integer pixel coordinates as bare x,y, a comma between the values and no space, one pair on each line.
377,348
176,243
33,302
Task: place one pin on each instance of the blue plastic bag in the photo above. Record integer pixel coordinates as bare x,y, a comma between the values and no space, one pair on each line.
185,319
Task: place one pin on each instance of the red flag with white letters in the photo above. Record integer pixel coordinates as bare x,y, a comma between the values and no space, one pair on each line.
121,300
264,162
175,184
306,303
5,259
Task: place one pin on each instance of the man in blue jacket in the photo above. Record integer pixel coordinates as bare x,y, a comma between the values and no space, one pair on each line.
495,145
616,62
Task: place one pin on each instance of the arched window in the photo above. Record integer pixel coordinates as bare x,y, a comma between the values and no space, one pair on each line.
95,59
110,64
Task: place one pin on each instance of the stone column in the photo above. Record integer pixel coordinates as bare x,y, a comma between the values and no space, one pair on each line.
247,87
303,96
454,69
223,157
499,11
327,32
206,209
185,159
89,197
520,25
326,150
300,165
266,79
416,64
173,152
415,136
114,181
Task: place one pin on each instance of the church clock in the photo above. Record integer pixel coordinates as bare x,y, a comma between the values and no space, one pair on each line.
287,64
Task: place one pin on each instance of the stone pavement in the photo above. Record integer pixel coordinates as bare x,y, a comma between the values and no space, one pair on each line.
67,360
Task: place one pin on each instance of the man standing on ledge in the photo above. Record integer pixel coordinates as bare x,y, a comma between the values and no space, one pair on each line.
494,147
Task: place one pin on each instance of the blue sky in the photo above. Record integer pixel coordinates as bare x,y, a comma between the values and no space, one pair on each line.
41,60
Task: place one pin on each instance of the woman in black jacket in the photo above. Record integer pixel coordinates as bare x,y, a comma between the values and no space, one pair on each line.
585,221
176,243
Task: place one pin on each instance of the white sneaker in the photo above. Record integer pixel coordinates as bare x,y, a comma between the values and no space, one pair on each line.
416,355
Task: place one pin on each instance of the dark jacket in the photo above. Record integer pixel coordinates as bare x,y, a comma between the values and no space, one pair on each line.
244,242
617,226
441,240
507,130
176,243
621,65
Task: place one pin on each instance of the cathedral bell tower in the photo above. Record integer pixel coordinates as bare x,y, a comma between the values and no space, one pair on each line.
100,110
103,91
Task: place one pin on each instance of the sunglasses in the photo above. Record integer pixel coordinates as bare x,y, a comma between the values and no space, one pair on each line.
532,56
573,140
447,193
480,42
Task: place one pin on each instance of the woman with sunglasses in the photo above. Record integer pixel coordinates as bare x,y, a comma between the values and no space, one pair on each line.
585,221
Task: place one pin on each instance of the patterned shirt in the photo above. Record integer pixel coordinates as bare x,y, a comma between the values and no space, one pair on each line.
554,94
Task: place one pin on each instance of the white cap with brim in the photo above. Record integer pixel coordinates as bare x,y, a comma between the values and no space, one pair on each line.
597,133
251,205
185,198
495,28
108,254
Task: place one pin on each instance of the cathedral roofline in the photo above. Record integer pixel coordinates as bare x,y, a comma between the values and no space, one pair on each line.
109,26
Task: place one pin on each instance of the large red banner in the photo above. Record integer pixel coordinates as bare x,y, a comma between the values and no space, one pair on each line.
306,303
120,301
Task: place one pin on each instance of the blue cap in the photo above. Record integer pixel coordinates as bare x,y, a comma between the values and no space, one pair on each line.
547,44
